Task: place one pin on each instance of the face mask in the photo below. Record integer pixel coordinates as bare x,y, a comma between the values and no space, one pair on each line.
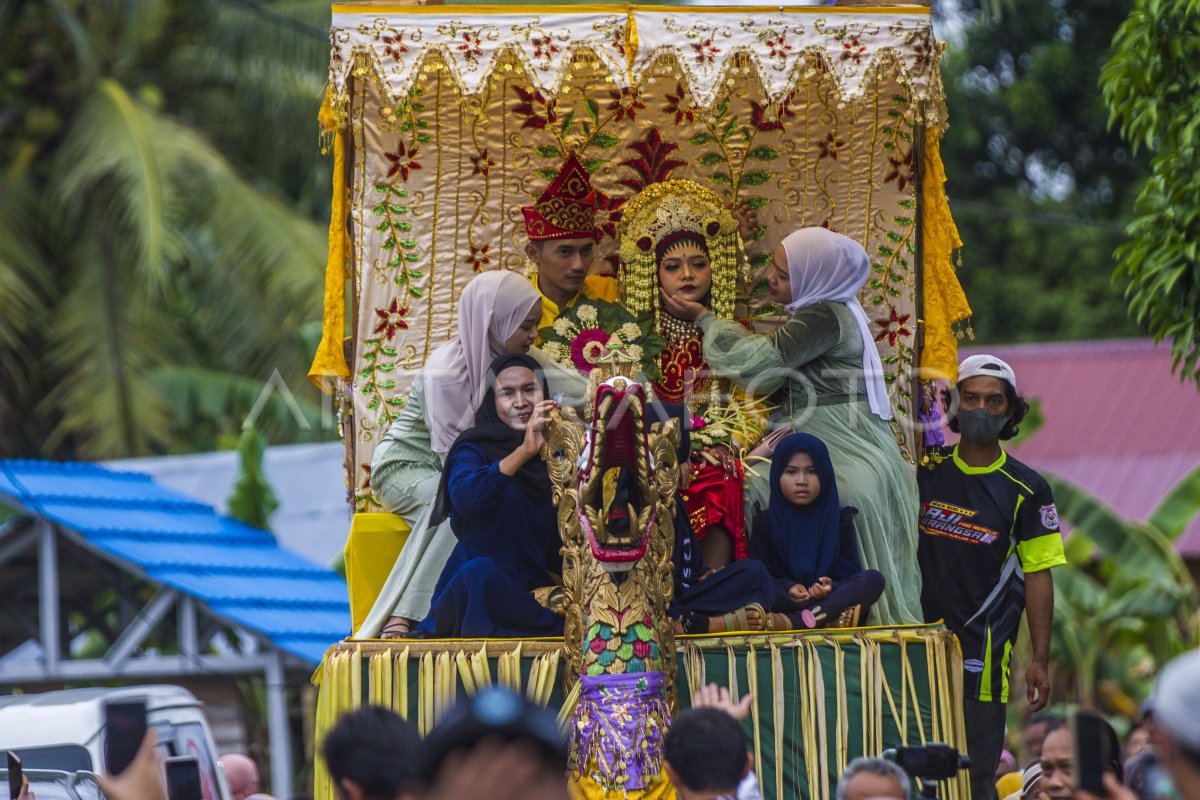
977,425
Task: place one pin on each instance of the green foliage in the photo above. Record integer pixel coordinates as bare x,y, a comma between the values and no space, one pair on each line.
253,501
1126,603
150,219
1152,88
1039,186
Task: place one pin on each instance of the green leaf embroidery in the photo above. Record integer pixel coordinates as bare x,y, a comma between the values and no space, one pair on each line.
708,159
764,152
756,178
605,140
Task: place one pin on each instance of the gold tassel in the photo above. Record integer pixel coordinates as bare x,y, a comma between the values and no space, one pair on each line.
752,688
400,683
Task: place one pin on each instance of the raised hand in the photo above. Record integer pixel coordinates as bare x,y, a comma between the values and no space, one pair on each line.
714,696
535,429
747,220
766,446
680,307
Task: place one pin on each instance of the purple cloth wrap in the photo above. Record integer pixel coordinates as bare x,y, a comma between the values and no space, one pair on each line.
931,423
617,729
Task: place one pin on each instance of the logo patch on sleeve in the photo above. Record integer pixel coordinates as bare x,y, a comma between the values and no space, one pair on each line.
973,665
1049,517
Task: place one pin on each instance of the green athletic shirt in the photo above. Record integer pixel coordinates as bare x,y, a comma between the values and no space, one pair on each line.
982,529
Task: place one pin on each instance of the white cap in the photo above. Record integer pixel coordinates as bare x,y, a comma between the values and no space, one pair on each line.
987,365
1176,700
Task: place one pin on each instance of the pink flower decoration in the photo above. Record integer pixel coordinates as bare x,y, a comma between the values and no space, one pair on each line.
598,645
698,423
580,350
641,649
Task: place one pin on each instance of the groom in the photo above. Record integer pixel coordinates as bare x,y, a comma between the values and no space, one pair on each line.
562,232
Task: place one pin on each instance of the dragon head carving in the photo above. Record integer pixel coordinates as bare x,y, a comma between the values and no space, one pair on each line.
614,469
615,479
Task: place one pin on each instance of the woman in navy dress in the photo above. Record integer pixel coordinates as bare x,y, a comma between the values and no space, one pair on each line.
497,494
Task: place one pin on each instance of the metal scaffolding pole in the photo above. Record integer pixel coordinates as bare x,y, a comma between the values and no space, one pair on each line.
48,608
277,724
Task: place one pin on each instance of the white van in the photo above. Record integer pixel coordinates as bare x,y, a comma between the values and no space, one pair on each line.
63,730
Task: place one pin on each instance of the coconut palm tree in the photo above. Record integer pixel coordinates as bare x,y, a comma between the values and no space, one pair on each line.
160,249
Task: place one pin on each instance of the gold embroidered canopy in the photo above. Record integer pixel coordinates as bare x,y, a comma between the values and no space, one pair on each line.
447,120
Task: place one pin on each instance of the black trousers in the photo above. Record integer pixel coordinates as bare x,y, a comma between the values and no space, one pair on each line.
985,741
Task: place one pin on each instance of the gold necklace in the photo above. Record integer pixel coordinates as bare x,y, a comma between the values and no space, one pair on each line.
674,329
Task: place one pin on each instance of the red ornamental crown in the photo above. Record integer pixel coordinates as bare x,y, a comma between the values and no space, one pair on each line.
567,209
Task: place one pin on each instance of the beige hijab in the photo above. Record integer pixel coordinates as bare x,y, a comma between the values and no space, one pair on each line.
490,310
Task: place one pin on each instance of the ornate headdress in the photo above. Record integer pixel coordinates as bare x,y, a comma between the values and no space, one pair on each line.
661,212
567,209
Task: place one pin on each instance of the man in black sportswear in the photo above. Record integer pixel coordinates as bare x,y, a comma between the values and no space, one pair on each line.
988,538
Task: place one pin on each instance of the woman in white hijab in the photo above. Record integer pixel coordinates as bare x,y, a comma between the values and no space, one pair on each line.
826,378
497,313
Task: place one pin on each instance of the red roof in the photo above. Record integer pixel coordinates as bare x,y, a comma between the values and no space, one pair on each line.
1117,421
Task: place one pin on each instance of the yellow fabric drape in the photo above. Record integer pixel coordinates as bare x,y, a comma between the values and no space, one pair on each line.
329,362
374,544
943,299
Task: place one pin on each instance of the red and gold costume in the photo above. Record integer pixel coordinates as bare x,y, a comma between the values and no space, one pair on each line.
567,210
731,421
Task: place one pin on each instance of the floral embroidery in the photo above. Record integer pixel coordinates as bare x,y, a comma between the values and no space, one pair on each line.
543,44
893,327
482,164
478,257
395,46
651,163
778,47
544,49
902,171
364,499
829,147
612,207
537,110
471,46
680,105
469,40
625,103
391,319
706,51
403,160
771,117
853,49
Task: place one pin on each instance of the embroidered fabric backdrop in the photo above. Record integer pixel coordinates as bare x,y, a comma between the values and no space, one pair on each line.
456,119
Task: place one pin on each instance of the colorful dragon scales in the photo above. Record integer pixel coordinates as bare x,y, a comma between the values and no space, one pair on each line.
615,483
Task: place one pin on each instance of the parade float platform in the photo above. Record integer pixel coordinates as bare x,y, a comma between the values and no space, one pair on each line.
822,697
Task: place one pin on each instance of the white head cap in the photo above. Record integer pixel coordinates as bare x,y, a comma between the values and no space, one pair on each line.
1176,700
987,365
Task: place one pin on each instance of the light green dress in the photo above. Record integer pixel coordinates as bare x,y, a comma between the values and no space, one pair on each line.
812,368
405,473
